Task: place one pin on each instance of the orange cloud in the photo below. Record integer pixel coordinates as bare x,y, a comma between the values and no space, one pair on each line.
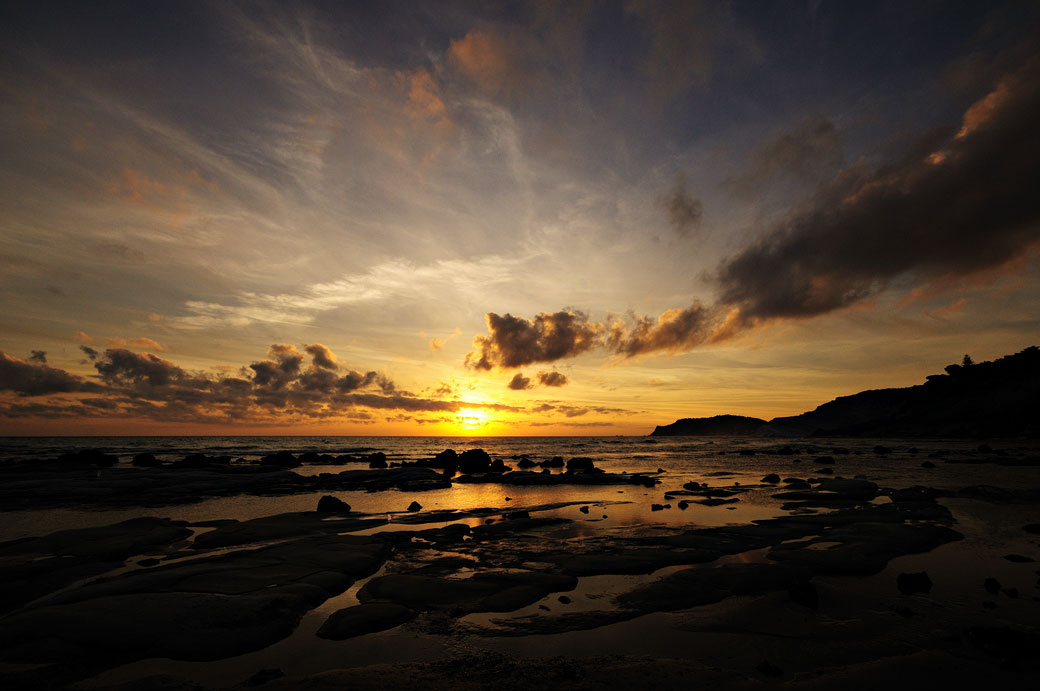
489,59
137,188
141,342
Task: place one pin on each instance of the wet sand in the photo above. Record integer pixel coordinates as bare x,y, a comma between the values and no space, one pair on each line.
593,581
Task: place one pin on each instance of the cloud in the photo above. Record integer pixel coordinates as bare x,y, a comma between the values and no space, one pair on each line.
515,342
135,342
323,357
553,378
119,364
38,356
684,212
519,382
810,151
89,352
491,60
279,390
674,331
33,379
968,207
679,55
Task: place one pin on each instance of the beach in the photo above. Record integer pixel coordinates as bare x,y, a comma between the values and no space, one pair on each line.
676,563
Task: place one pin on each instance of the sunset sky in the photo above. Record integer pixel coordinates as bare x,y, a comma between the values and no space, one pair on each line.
505,218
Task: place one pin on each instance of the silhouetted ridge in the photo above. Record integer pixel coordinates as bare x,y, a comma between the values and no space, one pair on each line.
706,426
986,399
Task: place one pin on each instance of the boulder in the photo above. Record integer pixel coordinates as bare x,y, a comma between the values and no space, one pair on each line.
771,478
146,460
415,506
366,618
88,457
282,459
474,461
911,583
330,504
581,463
447,460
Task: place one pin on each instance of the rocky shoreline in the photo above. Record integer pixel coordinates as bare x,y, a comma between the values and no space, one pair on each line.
81,604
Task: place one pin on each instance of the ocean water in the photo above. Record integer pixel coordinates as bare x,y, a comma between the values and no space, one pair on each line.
718,461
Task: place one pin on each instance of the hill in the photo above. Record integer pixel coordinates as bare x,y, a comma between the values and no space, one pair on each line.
987,399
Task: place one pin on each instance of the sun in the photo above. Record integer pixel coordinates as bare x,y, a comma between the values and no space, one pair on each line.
472,418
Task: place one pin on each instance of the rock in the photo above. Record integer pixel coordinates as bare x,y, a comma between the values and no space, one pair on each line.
805,594
580,463
330,504
482,592
474,461
771,478
989,604
498,466
769,669
992,585
564,600
447,460
365,618
911,583
415,506
146,460
554,462
88,457
1010,592
985,448
265,675
151,561
683,504
282,459
826,471
661,470
1018,558
517,515
882,450
656,507
927,464
1032,528
378,463
584,509
824,460
526,463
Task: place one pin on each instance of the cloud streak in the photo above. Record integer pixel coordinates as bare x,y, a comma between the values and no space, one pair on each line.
278,389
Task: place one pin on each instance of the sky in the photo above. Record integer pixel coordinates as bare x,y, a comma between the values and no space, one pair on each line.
505,218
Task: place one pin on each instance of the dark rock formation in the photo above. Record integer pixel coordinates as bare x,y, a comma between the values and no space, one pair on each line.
362,619
330,504
911,583
474,461
719,425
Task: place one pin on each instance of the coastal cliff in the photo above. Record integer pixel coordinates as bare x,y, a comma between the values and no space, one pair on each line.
987,399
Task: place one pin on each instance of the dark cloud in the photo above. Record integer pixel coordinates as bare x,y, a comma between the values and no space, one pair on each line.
969,207
684,212
515,342
119,364
810,151
675,330
144,386
553,378
89,352
519,382
32,379
39,356
322,356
